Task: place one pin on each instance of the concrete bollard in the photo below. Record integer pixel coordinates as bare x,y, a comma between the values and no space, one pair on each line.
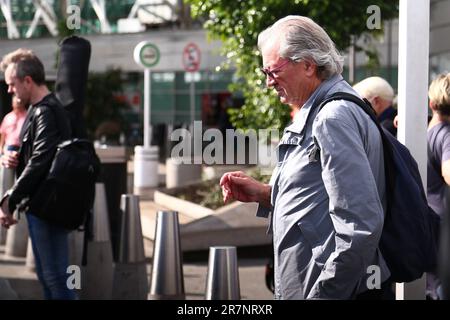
6,182
98,274
29,262
146,167
75,247
180,172
167,272
130,274
17,239
223,274
3,233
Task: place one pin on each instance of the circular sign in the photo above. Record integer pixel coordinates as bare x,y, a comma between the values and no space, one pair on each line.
191,57
146,54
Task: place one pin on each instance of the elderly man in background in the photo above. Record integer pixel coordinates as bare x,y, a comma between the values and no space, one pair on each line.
381,96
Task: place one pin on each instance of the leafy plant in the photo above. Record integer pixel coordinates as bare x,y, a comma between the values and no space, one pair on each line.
237,24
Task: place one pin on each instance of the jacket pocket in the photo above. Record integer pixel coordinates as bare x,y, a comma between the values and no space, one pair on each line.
319,233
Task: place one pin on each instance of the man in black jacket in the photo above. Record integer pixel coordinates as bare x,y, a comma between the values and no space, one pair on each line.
40,135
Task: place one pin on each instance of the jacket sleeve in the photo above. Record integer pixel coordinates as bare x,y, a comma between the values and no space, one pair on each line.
43,150
354,206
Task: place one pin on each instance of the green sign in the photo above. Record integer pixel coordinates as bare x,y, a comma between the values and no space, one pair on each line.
146,54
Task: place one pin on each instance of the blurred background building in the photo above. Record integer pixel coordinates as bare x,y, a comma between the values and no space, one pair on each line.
115,27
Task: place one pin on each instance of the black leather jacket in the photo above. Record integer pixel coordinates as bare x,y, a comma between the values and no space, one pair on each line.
45,126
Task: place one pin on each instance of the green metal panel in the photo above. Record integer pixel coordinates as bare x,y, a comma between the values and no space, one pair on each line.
23,13
162,91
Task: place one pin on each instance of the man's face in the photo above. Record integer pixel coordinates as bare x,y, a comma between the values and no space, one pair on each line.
21,88
293,81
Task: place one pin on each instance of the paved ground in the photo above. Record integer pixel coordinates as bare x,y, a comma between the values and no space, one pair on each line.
17,282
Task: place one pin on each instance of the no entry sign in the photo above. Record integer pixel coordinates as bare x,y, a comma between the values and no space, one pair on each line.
191,57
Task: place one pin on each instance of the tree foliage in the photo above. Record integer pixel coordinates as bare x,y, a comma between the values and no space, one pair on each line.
237,24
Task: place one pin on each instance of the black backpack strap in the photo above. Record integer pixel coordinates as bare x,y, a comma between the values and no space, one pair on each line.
389,167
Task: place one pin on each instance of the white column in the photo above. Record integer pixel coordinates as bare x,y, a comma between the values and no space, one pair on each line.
45,12
13,33
414,26
100,11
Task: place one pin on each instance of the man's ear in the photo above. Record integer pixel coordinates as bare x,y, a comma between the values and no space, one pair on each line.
375,100
431,105
27,80
310,68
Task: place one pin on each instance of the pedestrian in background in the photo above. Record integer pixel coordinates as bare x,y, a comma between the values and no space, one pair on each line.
381,96
10,142
10,138
438,165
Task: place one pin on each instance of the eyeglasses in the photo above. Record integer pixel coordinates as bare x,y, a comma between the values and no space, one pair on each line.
272,73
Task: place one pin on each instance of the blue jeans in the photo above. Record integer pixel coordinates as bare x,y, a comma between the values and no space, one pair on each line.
50,248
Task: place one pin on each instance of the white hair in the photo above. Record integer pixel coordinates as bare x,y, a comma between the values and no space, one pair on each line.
375,87
303,39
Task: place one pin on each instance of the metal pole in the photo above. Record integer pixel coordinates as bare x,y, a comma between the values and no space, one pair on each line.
192,98
147,107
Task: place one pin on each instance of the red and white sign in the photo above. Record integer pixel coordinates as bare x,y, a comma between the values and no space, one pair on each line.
191,57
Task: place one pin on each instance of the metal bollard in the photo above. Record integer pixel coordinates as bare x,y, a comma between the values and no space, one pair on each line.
167,281
7,177
130,274
98,274
223,274
29,262
17,239
3,234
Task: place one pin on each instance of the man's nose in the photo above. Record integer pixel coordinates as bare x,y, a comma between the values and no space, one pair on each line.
270,81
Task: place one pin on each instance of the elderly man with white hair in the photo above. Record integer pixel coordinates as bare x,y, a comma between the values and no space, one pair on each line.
326,195
381,95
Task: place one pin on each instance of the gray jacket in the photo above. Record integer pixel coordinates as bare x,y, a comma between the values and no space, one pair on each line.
328,194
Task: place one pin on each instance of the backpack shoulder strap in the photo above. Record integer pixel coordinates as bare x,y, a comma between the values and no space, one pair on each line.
389,166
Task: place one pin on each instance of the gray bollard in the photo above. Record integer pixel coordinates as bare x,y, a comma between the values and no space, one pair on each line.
17,239
130,274
75,247
7,177
167,272
3,233
29,262
223,274
98,274
180,173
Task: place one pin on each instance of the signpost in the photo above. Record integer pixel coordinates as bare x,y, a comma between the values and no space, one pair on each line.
191,63
147,55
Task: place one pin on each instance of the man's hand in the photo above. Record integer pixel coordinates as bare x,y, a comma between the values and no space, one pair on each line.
10,159
237,185
6,218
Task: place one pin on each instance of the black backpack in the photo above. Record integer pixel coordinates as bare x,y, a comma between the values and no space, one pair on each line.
410,236
66,195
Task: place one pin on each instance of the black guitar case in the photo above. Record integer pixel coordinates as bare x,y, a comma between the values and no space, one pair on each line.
71,80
